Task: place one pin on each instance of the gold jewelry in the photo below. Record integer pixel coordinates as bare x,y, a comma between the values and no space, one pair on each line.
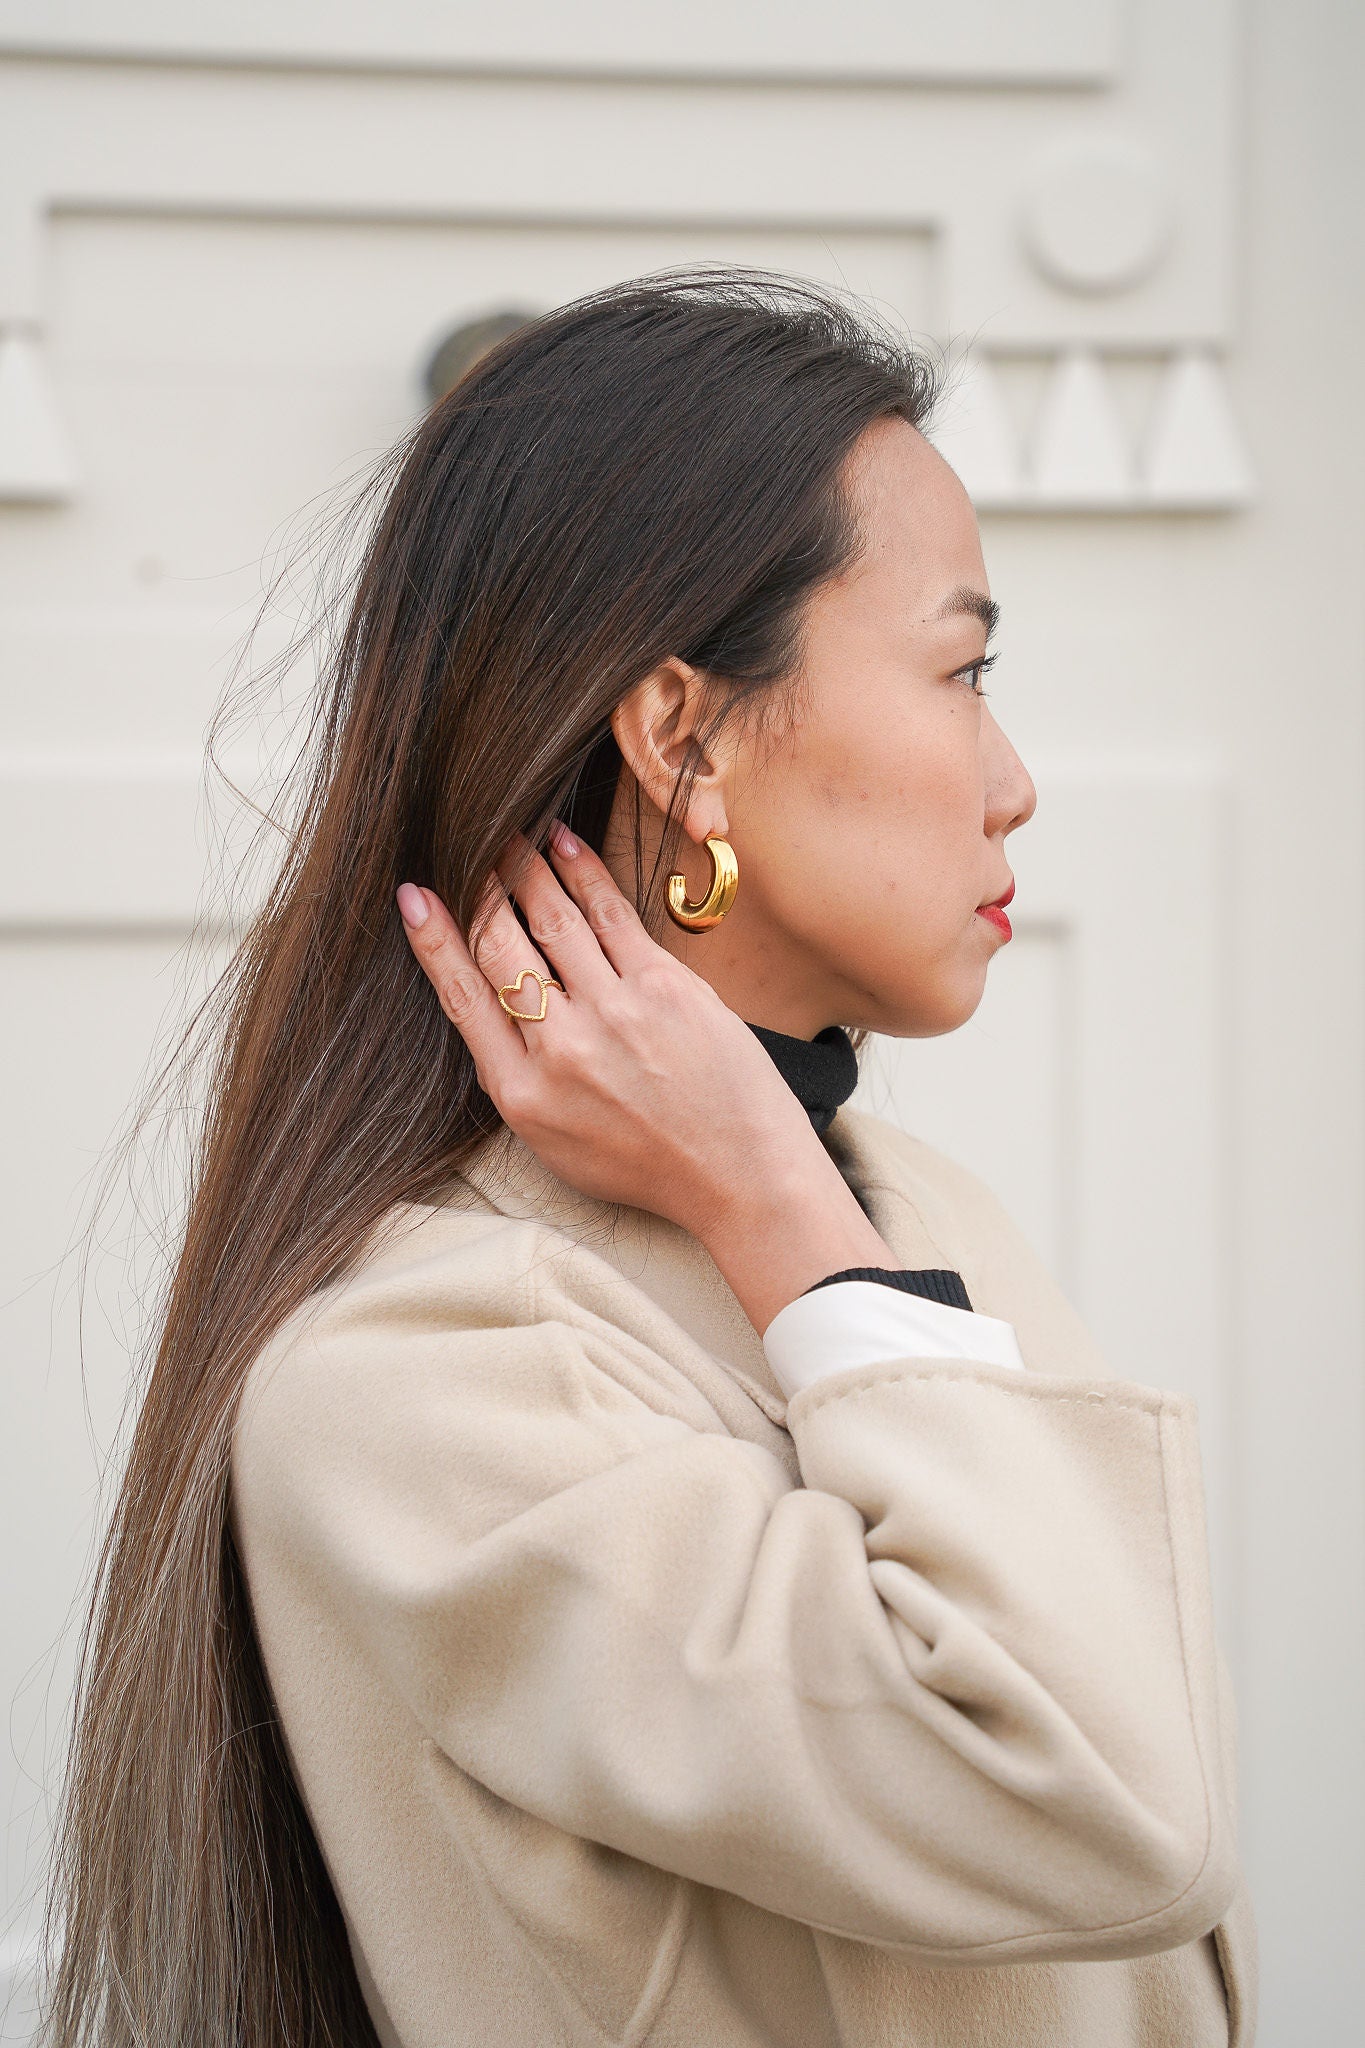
720,894
547,982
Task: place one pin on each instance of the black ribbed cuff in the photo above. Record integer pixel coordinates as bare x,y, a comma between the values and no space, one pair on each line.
935,1283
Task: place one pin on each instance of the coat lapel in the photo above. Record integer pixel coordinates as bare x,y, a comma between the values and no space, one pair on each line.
515,1181
669,1264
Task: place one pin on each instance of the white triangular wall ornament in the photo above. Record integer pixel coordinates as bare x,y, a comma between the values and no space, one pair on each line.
36,462
1080,454
974,436
1194,454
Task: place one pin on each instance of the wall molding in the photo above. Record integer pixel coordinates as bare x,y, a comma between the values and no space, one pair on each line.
1080,458
1053,42
1022,199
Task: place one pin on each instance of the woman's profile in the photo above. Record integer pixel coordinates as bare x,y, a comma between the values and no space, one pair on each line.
618,1545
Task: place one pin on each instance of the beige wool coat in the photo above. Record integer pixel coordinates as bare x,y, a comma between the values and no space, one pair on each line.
635,1704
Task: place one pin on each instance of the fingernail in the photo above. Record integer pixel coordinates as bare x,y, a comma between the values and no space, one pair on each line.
412,905
564,839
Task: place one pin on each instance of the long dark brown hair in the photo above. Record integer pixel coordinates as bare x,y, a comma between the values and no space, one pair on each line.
653,470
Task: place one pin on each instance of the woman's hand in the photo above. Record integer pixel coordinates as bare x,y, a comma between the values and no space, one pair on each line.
640,1085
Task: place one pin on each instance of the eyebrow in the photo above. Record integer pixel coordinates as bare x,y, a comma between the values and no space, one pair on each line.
975,603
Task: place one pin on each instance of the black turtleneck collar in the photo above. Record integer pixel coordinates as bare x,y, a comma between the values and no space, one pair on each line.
822,1072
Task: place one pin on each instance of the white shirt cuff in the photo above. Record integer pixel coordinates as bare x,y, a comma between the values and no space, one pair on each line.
864,1322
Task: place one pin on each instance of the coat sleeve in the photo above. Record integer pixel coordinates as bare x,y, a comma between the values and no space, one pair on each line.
956,1693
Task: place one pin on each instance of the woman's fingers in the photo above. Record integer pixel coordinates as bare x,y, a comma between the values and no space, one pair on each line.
555,921
501,948
612,917
463,988
591,933
604,1088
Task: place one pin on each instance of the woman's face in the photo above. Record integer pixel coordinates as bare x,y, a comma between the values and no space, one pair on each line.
872,828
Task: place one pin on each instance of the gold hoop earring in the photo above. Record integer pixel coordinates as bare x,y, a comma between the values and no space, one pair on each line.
720,894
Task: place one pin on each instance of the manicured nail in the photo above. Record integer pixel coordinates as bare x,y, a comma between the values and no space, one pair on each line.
563,839
412,905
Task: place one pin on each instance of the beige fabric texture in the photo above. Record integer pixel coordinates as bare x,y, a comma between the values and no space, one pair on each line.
634,1704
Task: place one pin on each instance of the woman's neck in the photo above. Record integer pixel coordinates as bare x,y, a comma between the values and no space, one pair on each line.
822,1072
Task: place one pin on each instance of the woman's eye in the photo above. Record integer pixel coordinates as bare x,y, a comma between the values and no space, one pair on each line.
978,669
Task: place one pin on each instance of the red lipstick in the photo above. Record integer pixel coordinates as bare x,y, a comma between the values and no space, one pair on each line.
995,912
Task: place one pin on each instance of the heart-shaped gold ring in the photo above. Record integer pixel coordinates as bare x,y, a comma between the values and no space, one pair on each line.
513,988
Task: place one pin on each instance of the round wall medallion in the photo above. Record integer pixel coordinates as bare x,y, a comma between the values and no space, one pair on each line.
1097,215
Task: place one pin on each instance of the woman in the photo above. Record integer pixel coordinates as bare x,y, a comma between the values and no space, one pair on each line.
618,1546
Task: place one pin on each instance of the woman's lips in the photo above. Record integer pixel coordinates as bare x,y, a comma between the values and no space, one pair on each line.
996,911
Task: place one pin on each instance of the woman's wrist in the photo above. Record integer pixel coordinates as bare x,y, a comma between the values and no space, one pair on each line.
792,1223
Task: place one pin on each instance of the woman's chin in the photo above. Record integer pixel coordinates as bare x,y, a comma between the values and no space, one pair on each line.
923,1013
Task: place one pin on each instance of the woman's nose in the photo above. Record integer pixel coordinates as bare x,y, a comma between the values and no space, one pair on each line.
1011,797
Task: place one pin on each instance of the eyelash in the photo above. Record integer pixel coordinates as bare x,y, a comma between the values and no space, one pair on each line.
981,667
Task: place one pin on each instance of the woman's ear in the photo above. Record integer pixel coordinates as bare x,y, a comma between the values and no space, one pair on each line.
655,729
